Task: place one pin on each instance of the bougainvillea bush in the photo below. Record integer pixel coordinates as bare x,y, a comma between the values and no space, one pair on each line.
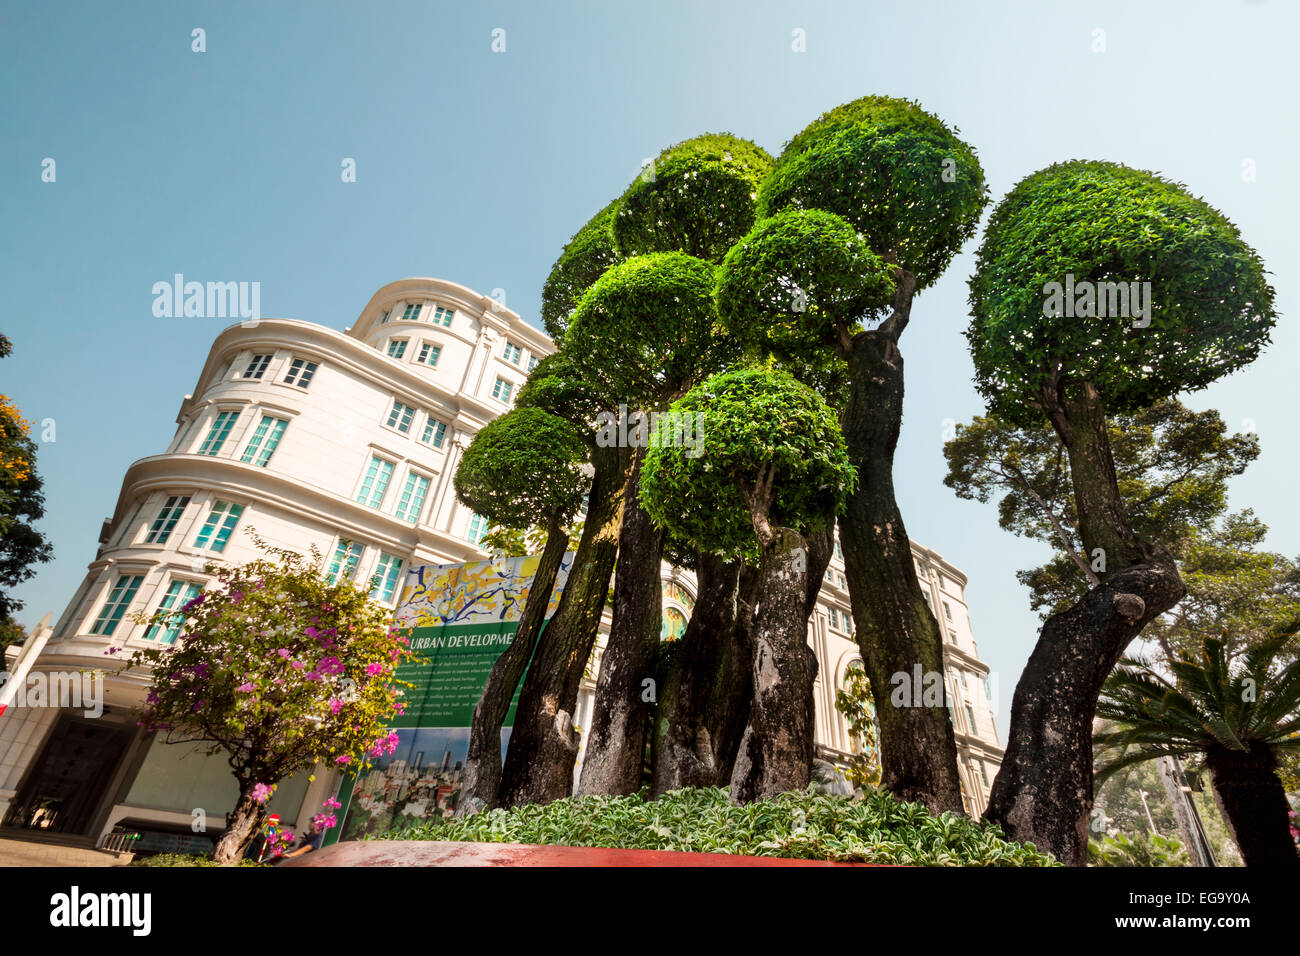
280,669
798,824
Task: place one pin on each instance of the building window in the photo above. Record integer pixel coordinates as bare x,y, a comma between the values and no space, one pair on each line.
988,691
128,527
257,366
501,391
411,501
952,636
179,594
429,353
513,353
532,362
384,580
839,552
434,432
217,527
343,566
984,777
218,433
119,599
442,316
412,312
300,372
375,484
385,316
970,718
401,417
478,526
162,526
947,611
396,348
264,441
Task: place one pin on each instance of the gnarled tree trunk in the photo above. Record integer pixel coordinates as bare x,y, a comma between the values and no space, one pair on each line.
241,827
483,760
616,740
896,630
1254,802
543,747
707,686
1044,789
776,753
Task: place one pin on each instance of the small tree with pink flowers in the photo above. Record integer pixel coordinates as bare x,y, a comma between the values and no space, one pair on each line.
280,668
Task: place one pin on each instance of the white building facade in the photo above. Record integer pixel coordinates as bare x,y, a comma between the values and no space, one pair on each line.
345,442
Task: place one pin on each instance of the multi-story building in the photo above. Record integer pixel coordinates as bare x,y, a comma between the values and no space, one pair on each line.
345,442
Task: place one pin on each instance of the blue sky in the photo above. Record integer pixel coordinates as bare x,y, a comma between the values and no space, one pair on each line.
477,166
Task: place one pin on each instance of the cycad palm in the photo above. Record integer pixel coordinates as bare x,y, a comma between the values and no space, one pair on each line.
1241,719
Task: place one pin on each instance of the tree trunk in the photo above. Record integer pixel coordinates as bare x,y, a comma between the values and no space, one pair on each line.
1043,791
241,827
483,760
707,686
1254,802
776,753
896,630
616,740
543,748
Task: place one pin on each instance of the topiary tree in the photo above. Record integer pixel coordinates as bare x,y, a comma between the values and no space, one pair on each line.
643,334
584,258
1052,338
813,287
280,670
773,468
522,469
698,197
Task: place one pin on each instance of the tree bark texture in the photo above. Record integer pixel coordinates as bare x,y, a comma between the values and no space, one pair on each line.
776,752
616,740
1043,792
543,747
241,828
705,697
896,630
1253,799
483,760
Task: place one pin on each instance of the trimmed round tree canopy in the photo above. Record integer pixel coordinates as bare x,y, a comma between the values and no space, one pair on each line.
795,278
698,197
523,467
754,421
1095,272
585,257
897,173
647,330
555,386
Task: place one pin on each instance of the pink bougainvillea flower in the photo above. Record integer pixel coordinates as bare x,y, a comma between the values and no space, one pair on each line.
262,793
312,633
335,705
236,597
345,759
296,665
284,652
374,669
329,803
244,688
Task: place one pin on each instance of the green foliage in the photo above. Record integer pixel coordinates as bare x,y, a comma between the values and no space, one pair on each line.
557,387
22,504
186,859
522,468
807,825
1153,850
1206,703
770,442
1211,308
584,259
278,668
856,704
1172,465
698,198
897,173
647,330
798,283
